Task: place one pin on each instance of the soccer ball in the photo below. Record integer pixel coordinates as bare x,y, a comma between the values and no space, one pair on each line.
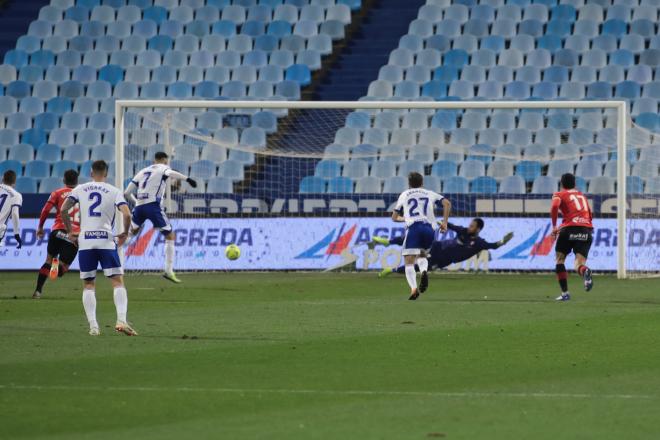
232,252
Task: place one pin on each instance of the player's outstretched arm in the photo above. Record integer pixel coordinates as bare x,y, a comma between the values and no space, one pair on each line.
178,176
446,209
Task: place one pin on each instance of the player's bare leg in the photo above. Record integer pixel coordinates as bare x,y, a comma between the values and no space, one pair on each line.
584,271
411,276
120,297
562,277
169,274
43,275
89,303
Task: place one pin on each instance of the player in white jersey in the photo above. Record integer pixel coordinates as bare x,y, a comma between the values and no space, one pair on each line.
150,183
415,207
98,204
10,203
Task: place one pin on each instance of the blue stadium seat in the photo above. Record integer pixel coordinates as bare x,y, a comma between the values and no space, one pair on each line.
49,184
26,185
395,185
512,185
22,152
312,184
368,185
528,170
502,167
601,185
652,186
545,185
340,184
16,58
327,169
444,169
37,168
483,185
13,165
471,169
203,169
34,137
180,90
288,89
222,185
455,185
587,168
649,121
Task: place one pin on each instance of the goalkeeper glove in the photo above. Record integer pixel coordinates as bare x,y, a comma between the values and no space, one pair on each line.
507,238
191,182
18,241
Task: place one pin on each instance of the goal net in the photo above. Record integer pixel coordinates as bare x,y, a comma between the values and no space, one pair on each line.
307,185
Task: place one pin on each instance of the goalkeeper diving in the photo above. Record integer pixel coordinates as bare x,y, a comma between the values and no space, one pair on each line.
466,244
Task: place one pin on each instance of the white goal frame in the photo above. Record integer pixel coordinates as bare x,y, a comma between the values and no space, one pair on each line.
619,106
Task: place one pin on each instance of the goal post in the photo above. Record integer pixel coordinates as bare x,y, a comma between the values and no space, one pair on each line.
296,136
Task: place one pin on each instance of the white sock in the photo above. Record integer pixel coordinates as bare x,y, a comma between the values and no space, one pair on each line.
423,264
89,303
169,256
121,303
411,276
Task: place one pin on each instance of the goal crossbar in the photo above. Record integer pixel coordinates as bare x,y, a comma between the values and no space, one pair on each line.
619,106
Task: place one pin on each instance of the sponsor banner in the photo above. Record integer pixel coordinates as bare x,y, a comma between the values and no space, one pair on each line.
323,243
333,204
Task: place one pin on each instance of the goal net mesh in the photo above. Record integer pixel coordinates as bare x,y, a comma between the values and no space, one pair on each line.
307,189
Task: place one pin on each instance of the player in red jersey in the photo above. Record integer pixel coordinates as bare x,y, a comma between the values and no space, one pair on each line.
574,234
61,250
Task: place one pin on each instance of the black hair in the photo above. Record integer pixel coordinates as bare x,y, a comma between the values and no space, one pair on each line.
100,167
71,177
415,180
160,155
480,222
9,178
568,181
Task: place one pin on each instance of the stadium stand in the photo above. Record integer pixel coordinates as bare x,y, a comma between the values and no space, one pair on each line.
80,55
515,50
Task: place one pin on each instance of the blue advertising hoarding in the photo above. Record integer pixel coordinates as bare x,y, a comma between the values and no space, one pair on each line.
318,243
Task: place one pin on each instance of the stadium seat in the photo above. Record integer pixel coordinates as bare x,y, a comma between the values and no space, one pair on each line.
601,185
395,185
222,185
368,185
327,169
203,169
340,184
382,169
545,185
26,185
512,185
528,170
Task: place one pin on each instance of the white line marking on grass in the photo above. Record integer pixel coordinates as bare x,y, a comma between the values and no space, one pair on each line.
448,394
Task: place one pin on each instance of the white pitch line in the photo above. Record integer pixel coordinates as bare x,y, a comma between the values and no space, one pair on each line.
449,394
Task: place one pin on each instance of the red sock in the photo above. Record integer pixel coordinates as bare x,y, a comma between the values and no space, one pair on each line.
581,269
45,269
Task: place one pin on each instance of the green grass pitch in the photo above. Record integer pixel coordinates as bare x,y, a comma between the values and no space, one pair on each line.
333,356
